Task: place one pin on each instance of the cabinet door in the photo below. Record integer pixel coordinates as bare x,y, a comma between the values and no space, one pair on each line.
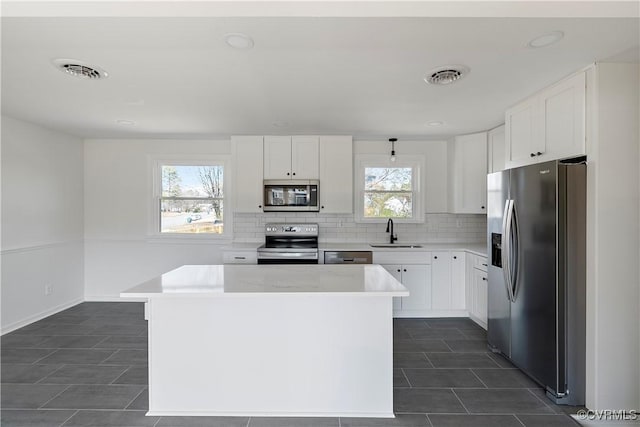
480,296
520,137
304,157
336,174
458,272
396,271
496,150
563,114
470,174
248,173
441,280
417,278
436,177
277,157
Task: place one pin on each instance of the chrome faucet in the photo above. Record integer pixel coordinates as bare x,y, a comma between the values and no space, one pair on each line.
392,238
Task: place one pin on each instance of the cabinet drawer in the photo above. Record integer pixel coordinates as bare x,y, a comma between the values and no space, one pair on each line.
240,257
398,256
480,263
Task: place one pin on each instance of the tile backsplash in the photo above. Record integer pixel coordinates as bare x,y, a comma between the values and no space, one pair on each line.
437,228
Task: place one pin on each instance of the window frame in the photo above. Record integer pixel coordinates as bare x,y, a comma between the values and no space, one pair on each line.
155,166
416,163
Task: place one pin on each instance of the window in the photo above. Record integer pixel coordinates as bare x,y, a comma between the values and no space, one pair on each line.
388,190
190,198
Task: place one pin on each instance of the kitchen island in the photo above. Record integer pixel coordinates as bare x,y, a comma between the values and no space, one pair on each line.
271,340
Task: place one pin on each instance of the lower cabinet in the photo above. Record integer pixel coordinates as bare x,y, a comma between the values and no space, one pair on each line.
448,280
417,279
478,290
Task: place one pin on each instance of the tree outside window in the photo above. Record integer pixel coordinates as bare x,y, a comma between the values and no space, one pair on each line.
388,192
192,199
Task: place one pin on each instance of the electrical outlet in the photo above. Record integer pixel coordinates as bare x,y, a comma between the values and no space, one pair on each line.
48,289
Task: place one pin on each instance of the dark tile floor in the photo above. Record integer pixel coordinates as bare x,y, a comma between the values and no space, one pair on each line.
87,366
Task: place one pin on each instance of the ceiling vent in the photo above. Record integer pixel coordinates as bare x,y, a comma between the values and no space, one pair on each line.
446,75
80,69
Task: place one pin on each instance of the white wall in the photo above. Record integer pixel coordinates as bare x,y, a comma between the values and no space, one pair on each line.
613,246
119,252
42,222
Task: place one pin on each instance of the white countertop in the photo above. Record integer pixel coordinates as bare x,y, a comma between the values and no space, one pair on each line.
235,280
478,248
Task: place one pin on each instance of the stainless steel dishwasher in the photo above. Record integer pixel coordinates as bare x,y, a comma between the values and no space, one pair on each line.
348,257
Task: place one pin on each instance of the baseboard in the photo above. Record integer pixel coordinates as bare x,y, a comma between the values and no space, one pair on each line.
430,313
111,298
19,324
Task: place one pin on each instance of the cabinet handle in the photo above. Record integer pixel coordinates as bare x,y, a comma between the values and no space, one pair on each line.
290,174
294,173
405,270
398,270
260,206
484,278
435,257
239,257
455,257
484,264
321,207
537,154
533,154
481,207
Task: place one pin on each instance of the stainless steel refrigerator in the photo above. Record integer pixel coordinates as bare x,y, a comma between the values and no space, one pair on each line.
536,232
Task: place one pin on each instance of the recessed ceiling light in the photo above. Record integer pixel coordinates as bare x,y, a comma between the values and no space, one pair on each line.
124,122
80,69
546,39
446,74
238,40
435,123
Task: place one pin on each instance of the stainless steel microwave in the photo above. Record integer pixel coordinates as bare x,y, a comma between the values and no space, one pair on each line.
291,195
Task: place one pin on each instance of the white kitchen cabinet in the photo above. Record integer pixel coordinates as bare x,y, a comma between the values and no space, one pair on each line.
417,279
549,125
336,174
248,173
468,174
287,157
477,288
440,280
495,150
448,280
435,180
458,280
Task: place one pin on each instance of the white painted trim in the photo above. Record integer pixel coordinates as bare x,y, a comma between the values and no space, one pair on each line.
169,240
111,298
427,314
39,316
40,246
271,414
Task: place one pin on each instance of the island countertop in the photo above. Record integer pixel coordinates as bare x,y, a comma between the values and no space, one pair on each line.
236,280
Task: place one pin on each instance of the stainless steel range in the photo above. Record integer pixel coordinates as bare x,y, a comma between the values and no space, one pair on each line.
289,244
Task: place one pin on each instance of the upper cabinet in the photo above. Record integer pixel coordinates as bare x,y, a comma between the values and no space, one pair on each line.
468,174
495,150
336,174
248,173
291,157
549,125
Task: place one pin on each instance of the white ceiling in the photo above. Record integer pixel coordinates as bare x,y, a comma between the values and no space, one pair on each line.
175,76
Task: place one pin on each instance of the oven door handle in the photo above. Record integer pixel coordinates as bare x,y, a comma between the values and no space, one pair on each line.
287,255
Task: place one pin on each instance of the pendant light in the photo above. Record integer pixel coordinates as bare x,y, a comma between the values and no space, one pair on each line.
393,149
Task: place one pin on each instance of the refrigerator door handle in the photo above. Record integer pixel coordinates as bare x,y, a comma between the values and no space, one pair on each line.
514,251
506,248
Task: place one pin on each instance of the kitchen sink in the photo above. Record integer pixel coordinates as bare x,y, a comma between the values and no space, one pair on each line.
393,245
